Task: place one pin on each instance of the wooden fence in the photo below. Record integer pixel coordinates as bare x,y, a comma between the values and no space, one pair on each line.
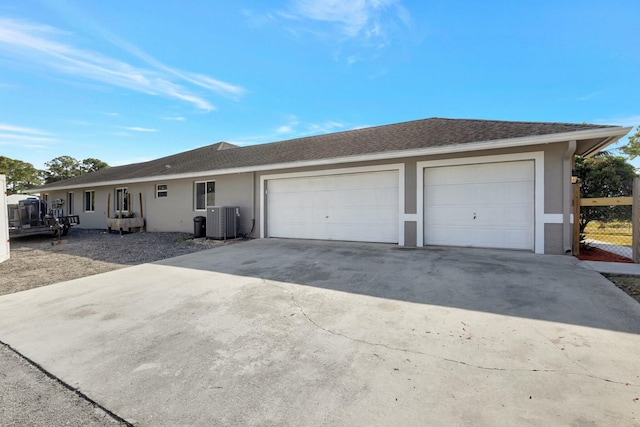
633,201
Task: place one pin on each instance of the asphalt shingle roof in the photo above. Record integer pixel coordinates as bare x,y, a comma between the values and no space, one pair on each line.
433,132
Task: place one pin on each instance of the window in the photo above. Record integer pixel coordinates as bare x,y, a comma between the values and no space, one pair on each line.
70,203
90,201
161,190
205,195
122,200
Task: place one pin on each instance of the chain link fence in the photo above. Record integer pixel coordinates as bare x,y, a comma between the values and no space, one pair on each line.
608,233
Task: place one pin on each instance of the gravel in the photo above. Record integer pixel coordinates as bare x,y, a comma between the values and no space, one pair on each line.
28,395
38,260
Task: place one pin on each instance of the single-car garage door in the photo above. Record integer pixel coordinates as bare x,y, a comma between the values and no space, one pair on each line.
359,207
483,205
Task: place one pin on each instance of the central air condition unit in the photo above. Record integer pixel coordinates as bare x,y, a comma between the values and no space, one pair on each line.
223,222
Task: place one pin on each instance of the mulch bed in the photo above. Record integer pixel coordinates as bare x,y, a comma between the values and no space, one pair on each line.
595,254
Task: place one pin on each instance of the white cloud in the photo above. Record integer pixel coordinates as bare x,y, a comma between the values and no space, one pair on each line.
140,129
351,16
17,137
591,95
25,137
285,129
19,129
48,47
366,21
293,128
292,122
325,127
633,120
175,119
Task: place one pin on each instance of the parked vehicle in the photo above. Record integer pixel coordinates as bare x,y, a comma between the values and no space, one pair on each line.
28,215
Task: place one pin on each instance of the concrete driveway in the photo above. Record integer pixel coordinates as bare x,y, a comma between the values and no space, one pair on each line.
277,332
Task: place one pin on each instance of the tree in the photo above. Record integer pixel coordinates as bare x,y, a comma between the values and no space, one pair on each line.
60,168
65,167
632,149
604,175
91,165
20,175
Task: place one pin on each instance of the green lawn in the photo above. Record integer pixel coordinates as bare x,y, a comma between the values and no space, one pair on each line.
616,233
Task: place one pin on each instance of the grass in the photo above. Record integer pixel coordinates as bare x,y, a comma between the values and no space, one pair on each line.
616,233
184,239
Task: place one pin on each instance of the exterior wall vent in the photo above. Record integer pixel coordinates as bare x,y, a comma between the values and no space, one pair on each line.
223,222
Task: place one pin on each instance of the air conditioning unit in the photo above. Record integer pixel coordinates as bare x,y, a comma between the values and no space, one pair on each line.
223,222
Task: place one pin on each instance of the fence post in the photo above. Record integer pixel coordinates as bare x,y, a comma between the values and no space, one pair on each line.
635,220
576,219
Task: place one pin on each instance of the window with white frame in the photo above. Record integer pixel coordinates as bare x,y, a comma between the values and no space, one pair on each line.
205,195
90,201
122,199
162,190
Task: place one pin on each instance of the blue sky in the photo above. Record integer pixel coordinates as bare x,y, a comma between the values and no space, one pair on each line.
127,81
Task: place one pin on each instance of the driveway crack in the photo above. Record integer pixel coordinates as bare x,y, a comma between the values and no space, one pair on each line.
434,356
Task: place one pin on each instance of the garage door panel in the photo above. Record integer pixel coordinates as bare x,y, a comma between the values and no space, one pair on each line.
489,237
446,215
489,193
518,216
495,209
514,171
444,196
488,173
486,215
358,207
514,237
519,192
440,235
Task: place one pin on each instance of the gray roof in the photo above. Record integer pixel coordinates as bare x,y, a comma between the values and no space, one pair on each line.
433,132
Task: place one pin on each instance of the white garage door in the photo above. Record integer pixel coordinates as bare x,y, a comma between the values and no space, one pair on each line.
359,207
484,205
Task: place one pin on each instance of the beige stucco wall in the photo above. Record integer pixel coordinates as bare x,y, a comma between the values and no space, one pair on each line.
172,213
552,243
556,181
176,211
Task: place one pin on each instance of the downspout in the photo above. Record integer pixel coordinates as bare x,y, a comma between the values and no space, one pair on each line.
567,166
253,205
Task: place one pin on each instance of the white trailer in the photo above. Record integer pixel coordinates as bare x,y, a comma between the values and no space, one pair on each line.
4,221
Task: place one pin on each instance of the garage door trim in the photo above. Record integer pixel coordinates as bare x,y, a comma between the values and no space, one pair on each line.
538,162
399,167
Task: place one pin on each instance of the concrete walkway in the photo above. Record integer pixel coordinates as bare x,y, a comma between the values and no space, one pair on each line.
329,333
612,267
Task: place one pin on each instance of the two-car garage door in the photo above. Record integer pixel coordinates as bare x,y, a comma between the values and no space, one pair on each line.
350,206
482,205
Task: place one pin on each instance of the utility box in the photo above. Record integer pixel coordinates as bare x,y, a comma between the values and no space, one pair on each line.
4,221
223,222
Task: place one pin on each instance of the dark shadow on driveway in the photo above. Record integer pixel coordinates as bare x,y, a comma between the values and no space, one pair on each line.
512,283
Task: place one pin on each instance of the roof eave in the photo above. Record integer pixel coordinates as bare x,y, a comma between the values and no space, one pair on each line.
609,135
